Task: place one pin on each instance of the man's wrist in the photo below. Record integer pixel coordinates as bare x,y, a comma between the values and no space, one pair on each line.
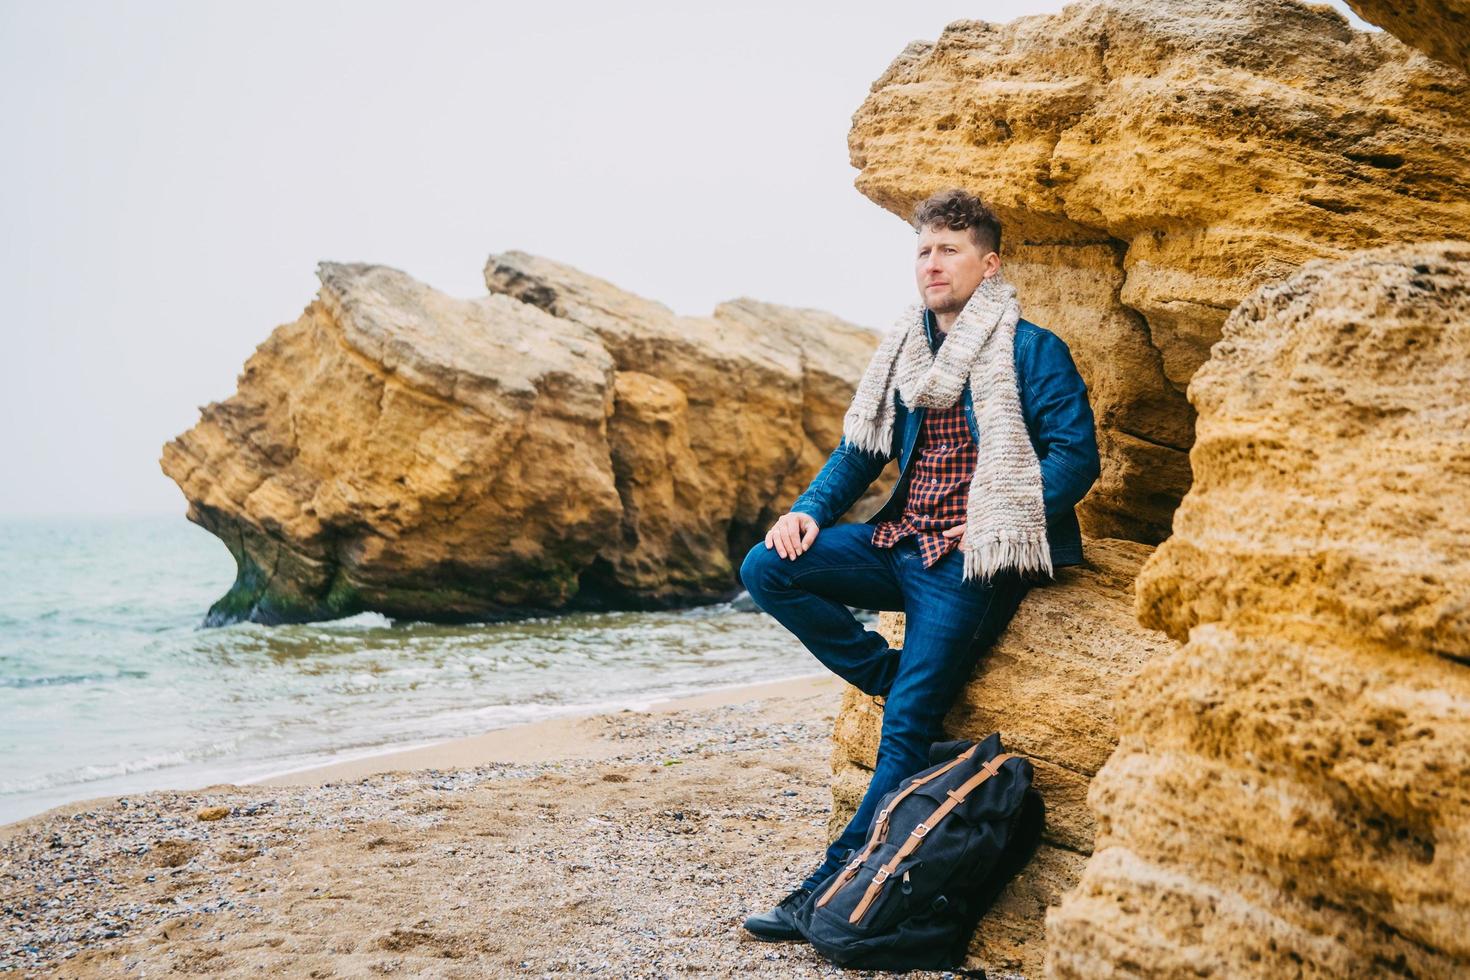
800,508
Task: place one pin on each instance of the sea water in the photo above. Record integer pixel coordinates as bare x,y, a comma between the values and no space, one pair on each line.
109,684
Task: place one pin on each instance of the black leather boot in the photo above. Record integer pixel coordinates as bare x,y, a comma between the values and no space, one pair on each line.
777,925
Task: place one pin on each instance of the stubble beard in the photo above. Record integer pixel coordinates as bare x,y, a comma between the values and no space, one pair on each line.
950,304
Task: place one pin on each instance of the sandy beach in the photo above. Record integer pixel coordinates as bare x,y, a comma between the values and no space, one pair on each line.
629,844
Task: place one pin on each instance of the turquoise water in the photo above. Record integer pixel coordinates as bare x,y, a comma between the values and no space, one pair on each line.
109,685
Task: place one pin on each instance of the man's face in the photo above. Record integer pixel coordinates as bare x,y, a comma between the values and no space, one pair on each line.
950,266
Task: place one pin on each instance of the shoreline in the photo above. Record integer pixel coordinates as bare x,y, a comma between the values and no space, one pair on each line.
544,740
463,749
634,841
540,742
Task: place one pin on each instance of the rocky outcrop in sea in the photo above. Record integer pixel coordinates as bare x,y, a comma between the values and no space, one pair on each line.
557,444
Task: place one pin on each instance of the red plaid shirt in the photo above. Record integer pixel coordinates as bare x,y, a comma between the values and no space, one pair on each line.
940,488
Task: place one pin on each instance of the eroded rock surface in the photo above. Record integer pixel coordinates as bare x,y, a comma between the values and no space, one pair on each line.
1152,164
1048,686
1290,795
399,450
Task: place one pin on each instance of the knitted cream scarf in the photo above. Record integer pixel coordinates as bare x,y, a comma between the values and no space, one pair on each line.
1006,519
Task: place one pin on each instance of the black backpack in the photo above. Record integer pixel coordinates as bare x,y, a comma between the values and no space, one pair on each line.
939,851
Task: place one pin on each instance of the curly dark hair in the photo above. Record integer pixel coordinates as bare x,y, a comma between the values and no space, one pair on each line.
958,209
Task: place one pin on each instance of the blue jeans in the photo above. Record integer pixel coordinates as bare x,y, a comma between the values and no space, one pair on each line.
949,623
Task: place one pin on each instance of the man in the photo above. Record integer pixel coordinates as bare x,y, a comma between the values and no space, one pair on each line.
979,510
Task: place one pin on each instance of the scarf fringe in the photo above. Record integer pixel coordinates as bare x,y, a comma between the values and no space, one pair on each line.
870,435
1023,552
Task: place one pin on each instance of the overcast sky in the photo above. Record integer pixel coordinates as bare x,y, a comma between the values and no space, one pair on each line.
173,172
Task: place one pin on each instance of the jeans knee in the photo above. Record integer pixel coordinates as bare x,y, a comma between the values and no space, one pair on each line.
756,569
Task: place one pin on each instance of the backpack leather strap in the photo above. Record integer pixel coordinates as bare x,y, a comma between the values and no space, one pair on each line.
917,835
880,829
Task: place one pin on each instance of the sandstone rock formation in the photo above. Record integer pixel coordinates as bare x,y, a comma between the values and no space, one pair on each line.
399,450
1439,28
1291,791
1048,686
1152,164
763,391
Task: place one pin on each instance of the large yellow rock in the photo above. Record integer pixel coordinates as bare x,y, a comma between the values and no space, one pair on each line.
1291,791
763,385
1152,163
1048,686
399,450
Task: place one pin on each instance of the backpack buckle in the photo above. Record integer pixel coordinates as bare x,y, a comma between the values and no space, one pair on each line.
881,876
919,831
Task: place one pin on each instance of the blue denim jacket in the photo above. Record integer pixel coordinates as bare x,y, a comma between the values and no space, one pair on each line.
1058,418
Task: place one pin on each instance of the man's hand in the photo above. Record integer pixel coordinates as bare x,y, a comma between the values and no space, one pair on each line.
958,530
792,534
